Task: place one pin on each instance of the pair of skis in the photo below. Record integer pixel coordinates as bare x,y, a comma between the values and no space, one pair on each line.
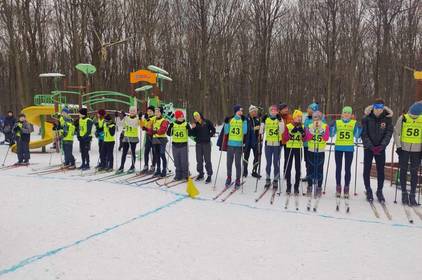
408,212
346,203
286,204
316,203
15,165
384,208
174,183
274,192
232,192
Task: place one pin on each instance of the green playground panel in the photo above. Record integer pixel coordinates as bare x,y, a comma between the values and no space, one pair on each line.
47,99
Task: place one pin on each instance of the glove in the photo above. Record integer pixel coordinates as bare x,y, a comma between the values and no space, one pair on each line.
300,129
295,129
398,151
377,150
227,119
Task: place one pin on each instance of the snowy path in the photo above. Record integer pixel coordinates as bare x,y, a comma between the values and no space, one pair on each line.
62,227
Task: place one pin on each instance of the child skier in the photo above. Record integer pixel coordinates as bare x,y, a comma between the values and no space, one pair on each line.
68,133
146,125
235,127
317,135
119,120
293,137
347,130
130,139
22,131
159,141
84,129
99,134
107,150
377,130
273,127
179,131
408,139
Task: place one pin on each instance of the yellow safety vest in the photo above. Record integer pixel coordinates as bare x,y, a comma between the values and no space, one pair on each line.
70,131
83,126
236,130
130,131
345,133
179,133
317,142
297,141
272,133
156,126
107,136
411,130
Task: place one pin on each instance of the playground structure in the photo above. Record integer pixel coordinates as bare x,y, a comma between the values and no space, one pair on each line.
46,107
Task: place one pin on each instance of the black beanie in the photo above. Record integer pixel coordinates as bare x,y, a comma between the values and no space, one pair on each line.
83,111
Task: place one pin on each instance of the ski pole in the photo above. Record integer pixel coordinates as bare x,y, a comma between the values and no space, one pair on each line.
285,169
5,157
300,169
328,165
356,166
218,168
259,163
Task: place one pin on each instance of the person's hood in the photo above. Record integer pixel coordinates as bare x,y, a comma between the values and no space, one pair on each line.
388,113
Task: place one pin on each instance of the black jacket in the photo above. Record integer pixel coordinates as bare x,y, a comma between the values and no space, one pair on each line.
9,124
377,131
204,131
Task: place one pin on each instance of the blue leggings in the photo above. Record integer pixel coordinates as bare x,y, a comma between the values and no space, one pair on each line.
348,158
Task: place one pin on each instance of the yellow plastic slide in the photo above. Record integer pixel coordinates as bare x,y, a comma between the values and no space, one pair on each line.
33,114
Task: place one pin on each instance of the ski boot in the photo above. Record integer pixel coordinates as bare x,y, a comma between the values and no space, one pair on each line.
275,184
144,170
256,175
380,196
369,196
86,167
267,183
151,169
163,173
157,173
412,200
338,191
405,198
200,177
120,170
228,181
208,180
131,170
237,184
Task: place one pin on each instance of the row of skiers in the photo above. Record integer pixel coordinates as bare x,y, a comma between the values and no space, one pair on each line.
278,130
252,133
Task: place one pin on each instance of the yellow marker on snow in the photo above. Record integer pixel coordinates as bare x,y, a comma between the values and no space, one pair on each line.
191,189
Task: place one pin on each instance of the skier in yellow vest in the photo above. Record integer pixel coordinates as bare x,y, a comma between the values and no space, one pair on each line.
273,127
317,135
68,134
408,139
235,128
130,139
293,137
84,127
99,134
346,131
159,141
179,132
107,150
146,125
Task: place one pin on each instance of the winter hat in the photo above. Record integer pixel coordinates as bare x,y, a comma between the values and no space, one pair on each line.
416,109
253,108
178,114
314,106
282,105
65,110
152,108
101,112
161,109
236,108
107,117
347,109
297,113
196,114
317,115
83,111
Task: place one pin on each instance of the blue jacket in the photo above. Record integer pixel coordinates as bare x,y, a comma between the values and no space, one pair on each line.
357,132
233,143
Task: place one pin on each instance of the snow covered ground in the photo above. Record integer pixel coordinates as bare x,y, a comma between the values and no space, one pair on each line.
60,226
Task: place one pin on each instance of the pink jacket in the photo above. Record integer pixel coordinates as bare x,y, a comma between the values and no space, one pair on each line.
309,135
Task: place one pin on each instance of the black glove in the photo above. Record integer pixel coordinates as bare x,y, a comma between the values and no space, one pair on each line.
242,118
295,129
300,129
398,151
227,119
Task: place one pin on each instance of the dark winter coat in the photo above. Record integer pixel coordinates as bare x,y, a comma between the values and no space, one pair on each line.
251,138
203,131
9,124
377,131
23,131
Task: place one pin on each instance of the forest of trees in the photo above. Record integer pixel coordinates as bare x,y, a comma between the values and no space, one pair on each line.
219,52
